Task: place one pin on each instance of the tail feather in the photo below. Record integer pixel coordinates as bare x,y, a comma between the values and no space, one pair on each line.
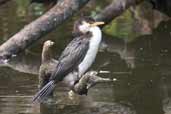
44,92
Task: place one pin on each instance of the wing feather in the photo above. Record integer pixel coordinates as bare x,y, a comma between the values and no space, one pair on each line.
70,58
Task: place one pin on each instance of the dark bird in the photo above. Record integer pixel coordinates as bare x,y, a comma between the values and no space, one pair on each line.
78,56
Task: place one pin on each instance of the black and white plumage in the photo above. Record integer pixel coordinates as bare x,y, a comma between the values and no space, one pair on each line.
78,56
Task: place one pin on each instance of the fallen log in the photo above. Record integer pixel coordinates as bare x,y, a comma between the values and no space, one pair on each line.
115,9
54,17
38,28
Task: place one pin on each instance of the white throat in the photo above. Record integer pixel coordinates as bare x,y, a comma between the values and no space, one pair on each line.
96,33
92,51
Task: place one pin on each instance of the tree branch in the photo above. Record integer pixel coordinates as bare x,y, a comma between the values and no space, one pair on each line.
54,17
115,9
35,30
89,80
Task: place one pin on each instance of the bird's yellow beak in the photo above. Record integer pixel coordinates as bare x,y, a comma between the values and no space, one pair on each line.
96,24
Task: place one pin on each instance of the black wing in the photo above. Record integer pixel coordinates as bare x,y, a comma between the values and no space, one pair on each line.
71,57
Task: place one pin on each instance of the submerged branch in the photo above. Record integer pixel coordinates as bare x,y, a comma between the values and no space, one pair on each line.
89,80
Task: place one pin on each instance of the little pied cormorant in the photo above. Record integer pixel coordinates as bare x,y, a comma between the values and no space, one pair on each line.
78,56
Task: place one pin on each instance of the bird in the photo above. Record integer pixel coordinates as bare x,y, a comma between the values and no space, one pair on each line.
78,56
48,63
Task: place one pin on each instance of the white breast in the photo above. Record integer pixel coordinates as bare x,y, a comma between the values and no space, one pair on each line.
92,51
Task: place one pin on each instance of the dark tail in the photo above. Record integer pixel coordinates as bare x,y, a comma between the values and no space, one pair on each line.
44,92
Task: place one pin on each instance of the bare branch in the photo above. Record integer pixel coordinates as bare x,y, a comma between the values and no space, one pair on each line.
116,8
54,17
89,80
35,30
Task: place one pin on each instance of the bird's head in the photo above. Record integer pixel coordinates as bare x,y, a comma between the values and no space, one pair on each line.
84,25
48,44
46,52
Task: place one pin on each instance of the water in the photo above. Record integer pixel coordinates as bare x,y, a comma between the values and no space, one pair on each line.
142,70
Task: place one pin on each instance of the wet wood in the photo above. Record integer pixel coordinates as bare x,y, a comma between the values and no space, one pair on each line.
89,80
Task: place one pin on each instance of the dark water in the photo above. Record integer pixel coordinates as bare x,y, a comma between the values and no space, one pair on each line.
142,70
